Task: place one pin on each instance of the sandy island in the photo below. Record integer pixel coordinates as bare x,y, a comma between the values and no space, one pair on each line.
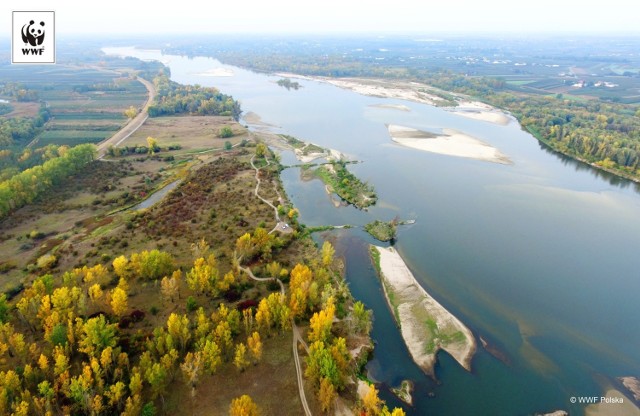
216,72
480,111
450,142
426,326
392,107
603,408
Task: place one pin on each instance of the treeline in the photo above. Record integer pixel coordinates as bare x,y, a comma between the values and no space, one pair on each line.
21,130
19,92
606,134
174,98
32,183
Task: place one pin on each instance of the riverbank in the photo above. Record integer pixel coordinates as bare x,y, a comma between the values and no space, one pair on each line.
450,142
426,326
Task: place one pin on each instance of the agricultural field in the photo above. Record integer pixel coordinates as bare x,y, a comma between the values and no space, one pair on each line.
85,104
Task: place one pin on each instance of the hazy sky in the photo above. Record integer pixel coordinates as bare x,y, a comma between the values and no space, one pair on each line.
282,16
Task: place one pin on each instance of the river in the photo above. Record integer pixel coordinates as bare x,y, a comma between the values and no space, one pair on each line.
538,257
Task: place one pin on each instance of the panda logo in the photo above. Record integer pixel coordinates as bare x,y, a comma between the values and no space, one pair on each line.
33,34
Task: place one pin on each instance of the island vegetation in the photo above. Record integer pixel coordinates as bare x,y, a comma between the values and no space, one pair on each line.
381,230
288,84
346,185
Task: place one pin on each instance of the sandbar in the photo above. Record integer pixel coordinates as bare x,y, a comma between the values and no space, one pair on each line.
400,107
451,142
603,408
216,72
480,111
426,326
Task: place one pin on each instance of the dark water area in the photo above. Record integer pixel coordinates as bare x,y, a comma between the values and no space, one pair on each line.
538,257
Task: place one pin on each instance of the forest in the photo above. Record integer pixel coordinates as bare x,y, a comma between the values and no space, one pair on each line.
174,98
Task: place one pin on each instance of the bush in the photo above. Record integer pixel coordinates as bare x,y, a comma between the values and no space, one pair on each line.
225,132
192,305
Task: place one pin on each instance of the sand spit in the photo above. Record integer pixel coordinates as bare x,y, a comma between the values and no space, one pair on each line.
426,326
216,72
399,107
480,111
450,142
633,385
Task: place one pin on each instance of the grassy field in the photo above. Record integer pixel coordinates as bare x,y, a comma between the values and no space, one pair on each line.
193,133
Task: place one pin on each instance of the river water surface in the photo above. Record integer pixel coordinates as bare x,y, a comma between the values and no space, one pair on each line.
540,257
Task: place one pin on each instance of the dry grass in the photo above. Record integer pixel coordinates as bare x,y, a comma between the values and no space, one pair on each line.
191,132
23,109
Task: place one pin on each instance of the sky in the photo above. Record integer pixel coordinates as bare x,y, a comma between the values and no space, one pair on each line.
332,16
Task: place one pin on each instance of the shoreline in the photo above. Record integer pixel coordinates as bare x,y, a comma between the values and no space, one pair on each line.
426,326
480,111
450,142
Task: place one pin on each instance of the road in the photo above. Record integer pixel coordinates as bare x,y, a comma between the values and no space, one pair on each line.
133,125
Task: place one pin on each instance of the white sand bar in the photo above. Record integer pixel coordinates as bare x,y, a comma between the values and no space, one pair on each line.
480,111
450,142
426,326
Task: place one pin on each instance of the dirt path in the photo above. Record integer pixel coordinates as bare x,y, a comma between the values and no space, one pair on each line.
124,133
296,332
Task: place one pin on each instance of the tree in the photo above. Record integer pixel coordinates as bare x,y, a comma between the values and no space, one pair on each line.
97,335
152,264
261,150
255,346
192,369
243,406
131,112
327,254
240,357
120,266
326,394
301,278
361,318
321,323
203,276
227,145
244,245
152,144
178,328
170,286
225,132
95,294
119,301
371,402
211,356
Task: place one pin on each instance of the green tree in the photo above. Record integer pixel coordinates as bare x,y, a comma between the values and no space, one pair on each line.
227,145
225,132
97,335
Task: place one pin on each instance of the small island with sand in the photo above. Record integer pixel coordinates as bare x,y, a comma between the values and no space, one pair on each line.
450,142
426,326
345,184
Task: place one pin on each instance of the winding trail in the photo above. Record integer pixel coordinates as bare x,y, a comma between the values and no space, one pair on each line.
296,332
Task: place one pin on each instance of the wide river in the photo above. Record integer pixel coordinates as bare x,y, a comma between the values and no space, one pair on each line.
540,258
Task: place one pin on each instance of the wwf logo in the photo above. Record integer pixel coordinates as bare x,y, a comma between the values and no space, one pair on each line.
33,37
33,34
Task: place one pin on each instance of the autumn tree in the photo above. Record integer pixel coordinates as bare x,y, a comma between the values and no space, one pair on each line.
97,335
321,323
243,406
244,246
255,346
152,264
327,254
326,394
178,328
119,303
301,278
192,369
170,286
200,249
203,276
261,150
240,357
152,144
120,266
131,112
371,402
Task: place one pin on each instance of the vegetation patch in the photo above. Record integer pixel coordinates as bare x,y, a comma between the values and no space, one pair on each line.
346,185
381,230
